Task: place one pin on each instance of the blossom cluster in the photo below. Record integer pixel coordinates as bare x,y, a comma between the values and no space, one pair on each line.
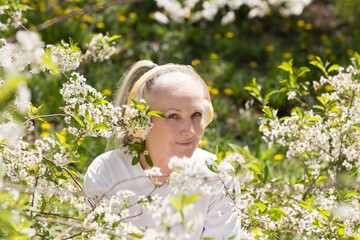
321,135
179,10
27,51
13,15
100,48
64,55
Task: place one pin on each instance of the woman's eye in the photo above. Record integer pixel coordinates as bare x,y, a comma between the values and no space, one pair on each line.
173,116
197,114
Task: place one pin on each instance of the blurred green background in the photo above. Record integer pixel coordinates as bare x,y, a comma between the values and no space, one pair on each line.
228,57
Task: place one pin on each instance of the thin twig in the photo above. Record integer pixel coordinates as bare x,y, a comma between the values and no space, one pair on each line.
58,215
45,116
77,225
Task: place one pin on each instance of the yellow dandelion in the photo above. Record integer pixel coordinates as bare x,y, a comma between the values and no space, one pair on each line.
293,110
42,6
318,87
310,57
151,15
209,88
107,92
33,168
342,38
227,153
217,35
350,52
228,91
333,24
195,62
278,157
122,18
324,37
132,15
203,143
66,11
214,91
62,132
229,34
188,16
58,10
328,88
327,51
87,18
256,231
100,25
45,134
45,125
84,26
287,55
300,23
214,56
25,1
269,48
303,45
254,64
308,26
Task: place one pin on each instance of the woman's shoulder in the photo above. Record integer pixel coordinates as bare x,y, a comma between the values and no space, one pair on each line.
109,161
203,154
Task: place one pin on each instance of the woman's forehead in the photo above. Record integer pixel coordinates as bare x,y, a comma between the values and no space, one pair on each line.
177,79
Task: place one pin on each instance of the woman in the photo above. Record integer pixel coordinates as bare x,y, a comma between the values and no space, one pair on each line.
182,96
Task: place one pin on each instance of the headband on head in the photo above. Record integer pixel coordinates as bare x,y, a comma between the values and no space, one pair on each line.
151,72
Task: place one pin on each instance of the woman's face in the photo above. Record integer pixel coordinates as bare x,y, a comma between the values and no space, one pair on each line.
180,98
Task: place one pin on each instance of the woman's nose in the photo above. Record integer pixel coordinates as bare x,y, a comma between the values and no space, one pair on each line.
187,127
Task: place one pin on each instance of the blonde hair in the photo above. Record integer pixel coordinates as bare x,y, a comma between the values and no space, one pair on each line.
128,81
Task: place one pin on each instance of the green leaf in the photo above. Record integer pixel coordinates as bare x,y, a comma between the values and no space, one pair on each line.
135,160
62,138
350,194
256,167
340,232
267,111
212,165
138,147
138,104
157,114
136,235
324,213
262,207
321,179
314,119
193,198
302,71
100,126
287,66
113,38
78,120
176,203
266,173
149,161
356,236
276,213
333,67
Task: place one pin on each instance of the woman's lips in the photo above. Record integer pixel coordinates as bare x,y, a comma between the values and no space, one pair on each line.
187,143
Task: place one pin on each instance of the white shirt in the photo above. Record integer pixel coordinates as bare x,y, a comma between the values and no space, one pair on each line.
112,171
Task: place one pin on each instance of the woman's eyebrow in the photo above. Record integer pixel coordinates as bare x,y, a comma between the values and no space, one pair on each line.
172,109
